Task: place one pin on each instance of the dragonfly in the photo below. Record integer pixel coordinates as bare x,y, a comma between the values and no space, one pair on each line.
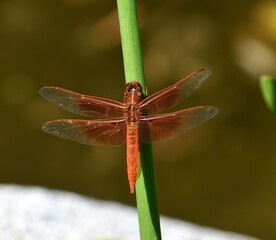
128,122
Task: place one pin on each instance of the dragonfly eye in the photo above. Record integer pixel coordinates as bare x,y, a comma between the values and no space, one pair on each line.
128,89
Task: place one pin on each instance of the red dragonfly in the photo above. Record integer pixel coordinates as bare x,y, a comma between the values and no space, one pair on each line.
131,120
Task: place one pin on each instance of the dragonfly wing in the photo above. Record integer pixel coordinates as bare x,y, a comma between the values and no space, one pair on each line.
91,132
82,104
164,126
174,94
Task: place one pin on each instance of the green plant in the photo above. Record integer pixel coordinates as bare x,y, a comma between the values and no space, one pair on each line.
133,64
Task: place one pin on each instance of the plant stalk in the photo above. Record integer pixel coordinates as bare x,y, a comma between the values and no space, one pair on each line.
134,70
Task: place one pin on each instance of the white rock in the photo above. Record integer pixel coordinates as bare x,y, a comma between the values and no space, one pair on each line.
34,213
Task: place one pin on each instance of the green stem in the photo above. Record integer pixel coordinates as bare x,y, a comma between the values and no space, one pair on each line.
133,63
132,54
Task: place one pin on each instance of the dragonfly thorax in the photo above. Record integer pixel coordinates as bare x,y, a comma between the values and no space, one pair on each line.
132,113
132,99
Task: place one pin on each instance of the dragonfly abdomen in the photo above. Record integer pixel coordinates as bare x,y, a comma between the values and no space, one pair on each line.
132,154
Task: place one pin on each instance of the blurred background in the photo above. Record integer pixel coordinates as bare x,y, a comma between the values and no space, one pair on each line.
221,174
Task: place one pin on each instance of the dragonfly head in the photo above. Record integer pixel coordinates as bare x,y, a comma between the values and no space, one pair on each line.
133,87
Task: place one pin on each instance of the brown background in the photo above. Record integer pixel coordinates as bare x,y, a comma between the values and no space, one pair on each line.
222,174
